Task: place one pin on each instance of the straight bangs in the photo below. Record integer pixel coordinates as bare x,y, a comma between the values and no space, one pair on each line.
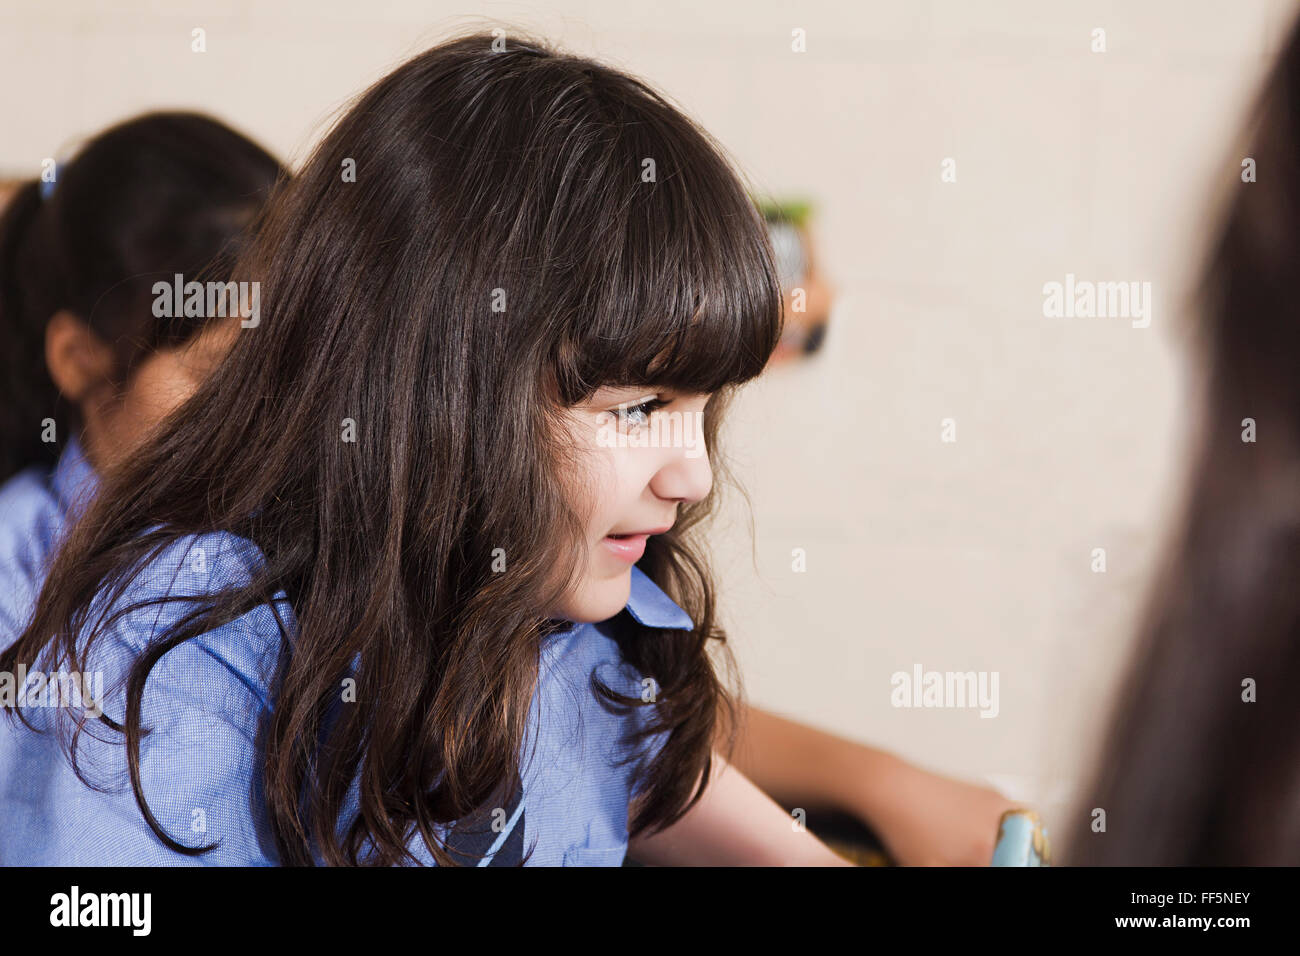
680,288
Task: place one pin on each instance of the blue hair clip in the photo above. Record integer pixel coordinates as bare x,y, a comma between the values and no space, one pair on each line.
47,185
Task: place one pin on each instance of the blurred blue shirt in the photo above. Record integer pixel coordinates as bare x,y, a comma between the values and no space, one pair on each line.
205,698
36,505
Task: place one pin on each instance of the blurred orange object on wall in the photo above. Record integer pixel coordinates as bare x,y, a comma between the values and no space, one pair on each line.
807,295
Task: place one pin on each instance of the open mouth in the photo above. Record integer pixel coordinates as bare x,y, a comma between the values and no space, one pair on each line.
627,547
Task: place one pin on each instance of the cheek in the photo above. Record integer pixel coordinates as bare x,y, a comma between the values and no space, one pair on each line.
603,490
620,482
159,385
614,476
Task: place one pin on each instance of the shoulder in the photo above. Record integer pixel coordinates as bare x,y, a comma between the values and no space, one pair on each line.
26,504
234,661
30,483
30,522
202,703
194,565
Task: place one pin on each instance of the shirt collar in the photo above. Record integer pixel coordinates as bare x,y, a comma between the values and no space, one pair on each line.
652,607
74,479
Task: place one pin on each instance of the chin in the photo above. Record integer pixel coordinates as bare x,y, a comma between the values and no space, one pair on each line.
599,600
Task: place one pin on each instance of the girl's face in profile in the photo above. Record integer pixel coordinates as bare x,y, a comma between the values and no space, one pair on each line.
647,455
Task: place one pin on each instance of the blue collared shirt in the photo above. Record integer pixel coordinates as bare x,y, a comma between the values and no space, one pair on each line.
36,505
205,698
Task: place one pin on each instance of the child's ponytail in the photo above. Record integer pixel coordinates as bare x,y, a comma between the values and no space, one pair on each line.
27,395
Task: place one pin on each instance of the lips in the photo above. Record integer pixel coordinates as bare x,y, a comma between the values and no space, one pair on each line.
629,545
629,548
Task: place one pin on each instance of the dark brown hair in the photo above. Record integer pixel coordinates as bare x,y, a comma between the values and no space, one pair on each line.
156,195
475,171
1192,773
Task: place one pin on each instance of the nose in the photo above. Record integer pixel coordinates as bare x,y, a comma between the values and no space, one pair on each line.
685,477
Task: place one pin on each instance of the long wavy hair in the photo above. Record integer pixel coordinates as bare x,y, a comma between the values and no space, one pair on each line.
1192,772
465,179
152,196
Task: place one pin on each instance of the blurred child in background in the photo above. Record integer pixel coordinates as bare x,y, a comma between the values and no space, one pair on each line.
1201,762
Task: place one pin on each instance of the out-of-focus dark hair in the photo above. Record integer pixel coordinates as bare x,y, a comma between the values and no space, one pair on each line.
161,194
516,176
1191,773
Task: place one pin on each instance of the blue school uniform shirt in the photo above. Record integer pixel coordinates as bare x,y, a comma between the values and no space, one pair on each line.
205,698
36,505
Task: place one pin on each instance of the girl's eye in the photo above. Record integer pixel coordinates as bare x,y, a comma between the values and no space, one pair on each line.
634,416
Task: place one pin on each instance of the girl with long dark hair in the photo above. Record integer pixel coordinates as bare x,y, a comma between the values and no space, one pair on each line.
416,576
